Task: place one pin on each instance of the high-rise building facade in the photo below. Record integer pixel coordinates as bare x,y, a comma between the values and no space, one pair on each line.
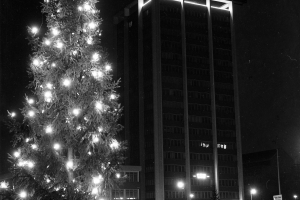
177,62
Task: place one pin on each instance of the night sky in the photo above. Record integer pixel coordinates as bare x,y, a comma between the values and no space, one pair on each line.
268,53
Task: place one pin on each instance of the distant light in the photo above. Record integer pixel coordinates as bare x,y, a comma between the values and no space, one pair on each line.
56,146
13,114
95,191
92,25
180,184
34,30
30,164
30,101
31,113
55,31
107,67
115,144
59,44
49,129
3,185
36,62
67,82
76,111
95,57
201,176
23,194
97,179
17,154
253,191
47,42
70,164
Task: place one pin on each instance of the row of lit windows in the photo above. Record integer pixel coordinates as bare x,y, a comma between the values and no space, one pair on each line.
227,170
172,104
171,56
200,168
193,143
201,156
202,194
174,155
226,122
125,194
198,83
173,129
174,194
197,60
174,142
131,176
226,157
197,182
229,195
198,143
226,110
174,168
228,183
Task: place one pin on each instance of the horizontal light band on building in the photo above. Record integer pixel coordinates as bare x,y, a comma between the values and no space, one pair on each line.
197,4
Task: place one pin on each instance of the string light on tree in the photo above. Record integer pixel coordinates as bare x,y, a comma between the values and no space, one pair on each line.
49,86
112,96
56,146
118,175
99,105
97,180
17,154
12,114
34,146
67,82
87,7
31,113
95,57
69,164
97,74
76,111
23,194
80,8
89,40
34,30
3,185
36,62
55,32
114,144
30,164
30,101
95,139
53,65
49,129
47,42
92,25
107,67
48,96
95,191
59,44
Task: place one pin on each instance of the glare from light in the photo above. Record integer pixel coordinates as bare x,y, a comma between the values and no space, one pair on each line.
180,184
76,111
30,101
253,191
30,164
17,154
23,194
97,74
56,146
89,40
80,8
34,30
31,113
67,82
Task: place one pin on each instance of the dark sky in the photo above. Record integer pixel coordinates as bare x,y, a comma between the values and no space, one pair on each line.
267,37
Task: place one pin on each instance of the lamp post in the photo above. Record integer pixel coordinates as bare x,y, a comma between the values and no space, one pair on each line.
252,192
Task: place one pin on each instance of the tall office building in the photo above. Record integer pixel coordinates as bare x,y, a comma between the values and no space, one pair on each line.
177,62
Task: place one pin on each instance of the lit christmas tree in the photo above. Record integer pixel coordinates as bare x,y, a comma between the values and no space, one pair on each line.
66,146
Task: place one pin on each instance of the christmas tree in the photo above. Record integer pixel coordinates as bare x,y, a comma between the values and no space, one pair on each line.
66,146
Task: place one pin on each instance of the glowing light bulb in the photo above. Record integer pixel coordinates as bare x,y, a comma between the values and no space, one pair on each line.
80,8
95,57
118,175
95,139
34,146
59,44
97,179
89,40
3,185
49,129
97,74
17,154
34,30
95,191
114,144
112,96
92,25
67,82
30,101
76,111
49,86
99,105
107,67
30,164
70,164
55,31
56,146
23,194
13,114
87,7
47,42
31,113
36,62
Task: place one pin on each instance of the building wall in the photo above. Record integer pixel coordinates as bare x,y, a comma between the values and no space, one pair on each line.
187,112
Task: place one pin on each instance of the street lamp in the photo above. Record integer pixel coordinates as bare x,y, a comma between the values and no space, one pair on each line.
295,196
253,191
180,184
201,176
